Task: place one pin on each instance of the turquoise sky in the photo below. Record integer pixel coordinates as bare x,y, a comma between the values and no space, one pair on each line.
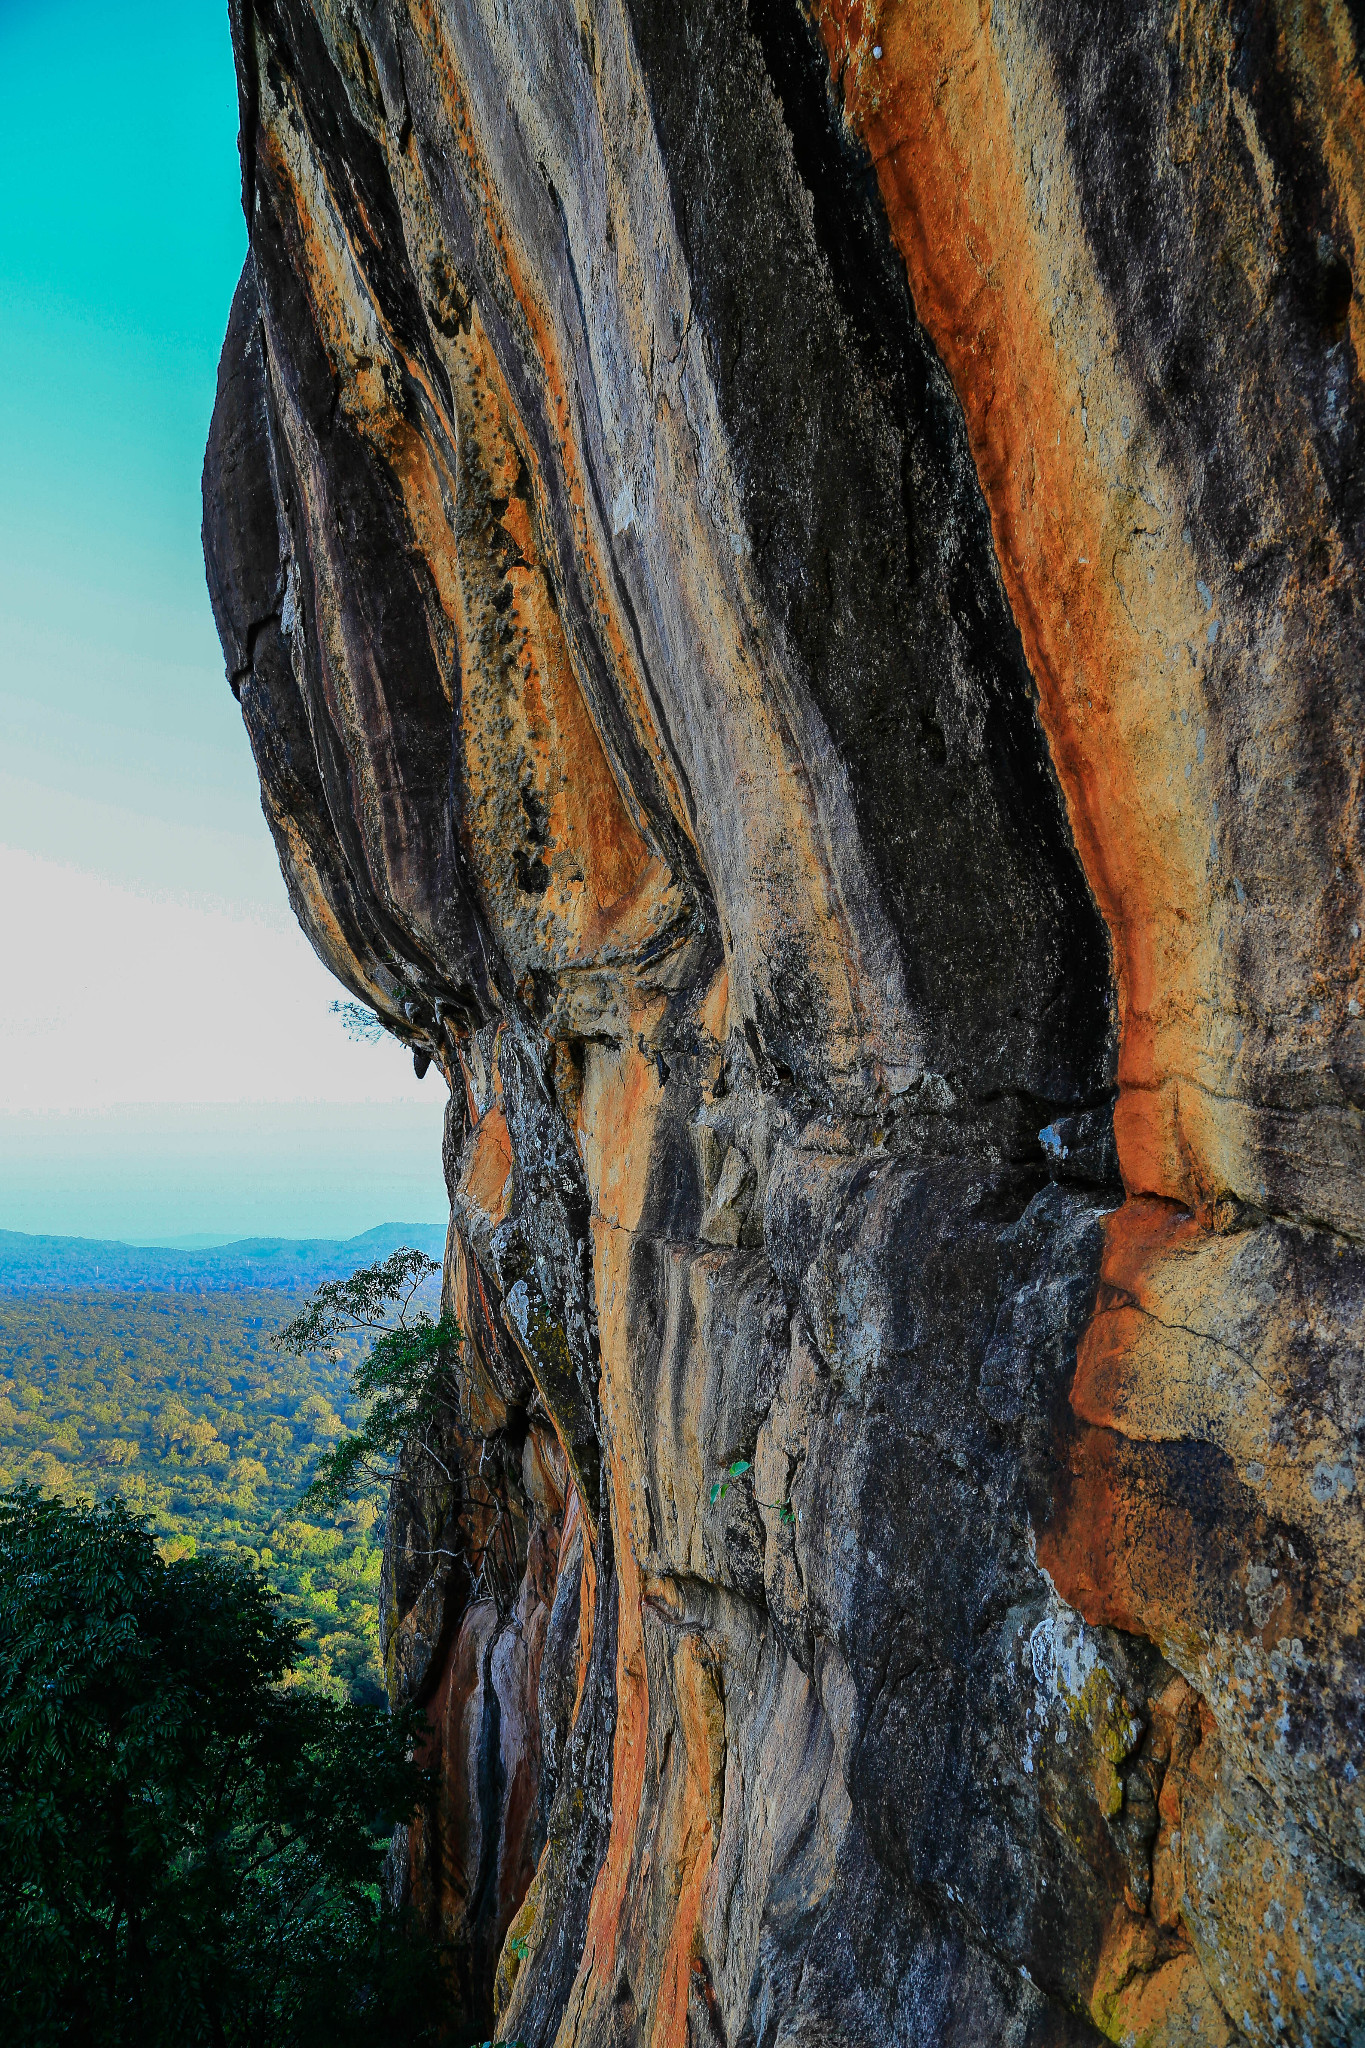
120,244
122,755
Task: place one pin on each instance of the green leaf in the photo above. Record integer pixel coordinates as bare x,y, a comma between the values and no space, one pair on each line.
740,1465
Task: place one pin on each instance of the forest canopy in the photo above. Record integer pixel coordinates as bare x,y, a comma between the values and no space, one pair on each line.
181,1404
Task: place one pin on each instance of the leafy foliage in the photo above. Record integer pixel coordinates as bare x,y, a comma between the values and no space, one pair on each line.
405,1382
178,1403
722,1485
358,1022
189,1850
783,1509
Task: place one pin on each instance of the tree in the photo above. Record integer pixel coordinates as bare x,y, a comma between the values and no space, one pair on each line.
190,1849
411,1383
408,1378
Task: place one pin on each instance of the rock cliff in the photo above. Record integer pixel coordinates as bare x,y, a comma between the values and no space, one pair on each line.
793,572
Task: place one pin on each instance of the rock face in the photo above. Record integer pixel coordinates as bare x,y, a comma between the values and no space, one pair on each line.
794,577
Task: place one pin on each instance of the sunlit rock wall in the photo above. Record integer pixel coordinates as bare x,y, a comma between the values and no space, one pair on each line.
793,577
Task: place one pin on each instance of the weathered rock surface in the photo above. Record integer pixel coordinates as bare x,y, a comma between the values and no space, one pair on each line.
793,575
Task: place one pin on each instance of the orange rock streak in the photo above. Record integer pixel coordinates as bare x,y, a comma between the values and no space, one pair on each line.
934,112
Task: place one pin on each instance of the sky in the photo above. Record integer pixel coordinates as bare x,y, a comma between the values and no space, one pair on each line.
169,1062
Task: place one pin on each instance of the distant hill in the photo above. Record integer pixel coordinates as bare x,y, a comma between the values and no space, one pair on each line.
34,1264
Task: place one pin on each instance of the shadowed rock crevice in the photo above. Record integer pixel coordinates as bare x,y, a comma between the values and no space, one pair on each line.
873,548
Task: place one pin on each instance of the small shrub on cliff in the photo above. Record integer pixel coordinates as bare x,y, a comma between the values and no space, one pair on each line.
722,1485
358,1022
190,1852
783,1509
407,1378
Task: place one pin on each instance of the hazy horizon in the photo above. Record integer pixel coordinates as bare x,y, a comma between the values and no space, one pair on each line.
169,1064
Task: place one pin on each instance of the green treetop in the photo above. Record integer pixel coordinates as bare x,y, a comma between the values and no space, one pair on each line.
408,1378
190,1851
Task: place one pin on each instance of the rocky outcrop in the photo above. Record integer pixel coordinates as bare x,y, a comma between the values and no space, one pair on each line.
793,574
